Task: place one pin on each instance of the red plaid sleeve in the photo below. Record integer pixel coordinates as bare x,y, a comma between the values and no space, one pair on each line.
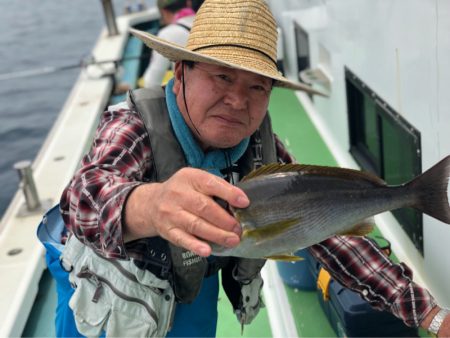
360,265
282,154
93,202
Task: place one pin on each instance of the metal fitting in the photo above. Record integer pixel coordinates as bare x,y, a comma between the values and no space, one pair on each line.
110,17
33,204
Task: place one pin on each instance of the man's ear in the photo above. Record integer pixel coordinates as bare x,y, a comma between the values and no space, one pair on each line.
178,71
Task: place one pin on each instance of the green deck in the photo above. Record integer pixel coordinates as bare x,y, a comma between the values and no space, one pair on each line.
298,133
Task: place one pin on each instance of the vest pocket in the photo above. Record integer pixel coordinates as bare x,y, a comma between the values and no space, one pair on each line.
90,316
117,298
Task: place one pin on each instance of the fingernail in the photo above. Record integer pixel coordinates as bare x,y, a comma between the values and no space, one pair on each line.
204,252
232,241
237,229
243,201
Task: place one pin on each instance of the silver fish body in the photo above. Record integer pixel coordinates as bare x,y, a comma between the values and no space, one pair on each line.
295,206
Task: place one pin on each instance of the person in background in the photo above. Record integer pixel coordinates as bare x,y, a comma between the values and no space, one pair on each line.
143,204
177,18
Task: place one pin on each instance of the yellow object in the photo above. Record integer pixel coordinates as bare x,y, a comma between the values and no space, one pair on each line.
323,283
167,76
140,82
285,258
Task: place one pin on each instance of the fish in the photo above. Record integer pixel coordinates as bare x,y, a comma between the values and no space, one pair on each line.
294,206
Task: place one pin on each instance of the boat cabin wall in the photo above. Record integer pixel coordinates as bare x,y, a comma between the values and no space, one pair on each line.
400,50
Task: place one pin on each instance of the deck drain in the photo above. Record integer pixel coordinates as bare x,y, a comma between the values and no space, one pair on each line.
14,252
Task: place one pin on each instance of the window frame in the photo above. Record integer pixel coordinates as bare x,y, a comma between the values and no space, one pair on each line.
357,93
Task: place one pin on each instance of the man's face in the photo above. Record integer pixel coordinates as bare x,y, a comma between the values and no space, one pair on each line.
225,105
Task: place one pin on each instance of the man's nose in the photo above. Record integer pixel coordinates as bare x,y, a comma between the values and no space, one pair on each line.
237,97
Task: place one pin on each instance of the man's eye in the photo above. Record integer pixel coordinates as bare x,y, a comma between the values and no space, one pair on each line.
224,77
261,89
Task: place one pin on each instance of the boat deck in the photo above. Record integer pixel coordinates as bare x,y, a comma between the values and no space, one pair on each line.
294,127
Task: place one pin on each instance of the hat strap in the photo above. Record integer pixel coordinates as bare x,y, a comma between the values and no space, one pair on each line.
238,46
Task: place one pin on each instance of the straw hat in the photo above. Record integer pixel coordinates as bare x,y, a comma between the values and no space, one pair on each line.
240,34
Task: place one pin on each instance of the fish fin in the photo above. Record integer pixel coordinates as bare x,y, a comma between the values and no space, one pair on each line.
362,177
361,229
270,230
431,191
285,258
272,168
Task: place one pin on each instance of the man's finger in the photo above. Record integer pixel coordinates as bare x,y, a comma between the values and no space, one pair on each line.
206,208
203,230
182,239
213,185
189,225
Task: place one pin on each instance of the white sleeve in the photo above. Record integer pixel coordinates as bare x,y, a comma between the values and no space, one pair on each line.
158,66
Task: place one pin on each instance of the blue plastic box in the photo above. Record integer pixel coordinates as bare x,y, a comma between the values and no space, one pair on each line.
351,316
298,274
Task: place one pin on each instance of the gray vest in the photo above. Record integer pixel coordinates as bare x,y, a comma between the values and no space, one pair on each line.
185,270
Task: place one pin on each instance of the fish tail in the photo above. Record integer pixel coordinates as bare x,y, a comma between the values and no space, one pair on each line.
431,190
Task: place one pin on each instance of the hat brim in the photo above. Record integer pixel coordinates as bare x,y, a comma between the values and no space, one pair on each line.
176,52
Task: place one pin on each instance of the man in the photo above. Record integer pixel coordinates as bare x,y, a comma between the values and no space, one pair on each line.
144,199
177,19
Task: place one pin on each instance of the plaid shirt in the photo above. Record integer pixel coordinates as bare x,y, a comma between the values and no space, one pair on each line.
118,161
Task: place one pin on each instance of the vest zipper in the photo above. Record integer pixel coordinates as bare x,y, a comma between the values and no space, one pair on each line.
99,281
129,275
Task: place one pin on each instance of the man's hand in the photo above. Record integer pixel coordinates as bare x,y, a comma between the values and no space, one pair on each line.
182,210
444,330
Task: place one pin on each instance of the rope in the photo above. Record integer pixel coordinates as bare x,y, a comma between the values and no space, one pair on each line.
51,70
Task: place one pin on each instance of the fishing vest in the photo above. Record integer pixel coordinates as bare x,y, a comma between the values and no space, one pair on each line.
184,269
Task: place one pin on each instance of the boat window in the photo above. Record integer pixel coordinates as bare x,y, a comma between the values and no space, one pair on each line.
384,143
302,48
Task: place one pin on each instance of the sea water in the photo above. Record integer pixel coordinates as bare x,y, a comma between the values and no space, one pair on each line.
33,35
